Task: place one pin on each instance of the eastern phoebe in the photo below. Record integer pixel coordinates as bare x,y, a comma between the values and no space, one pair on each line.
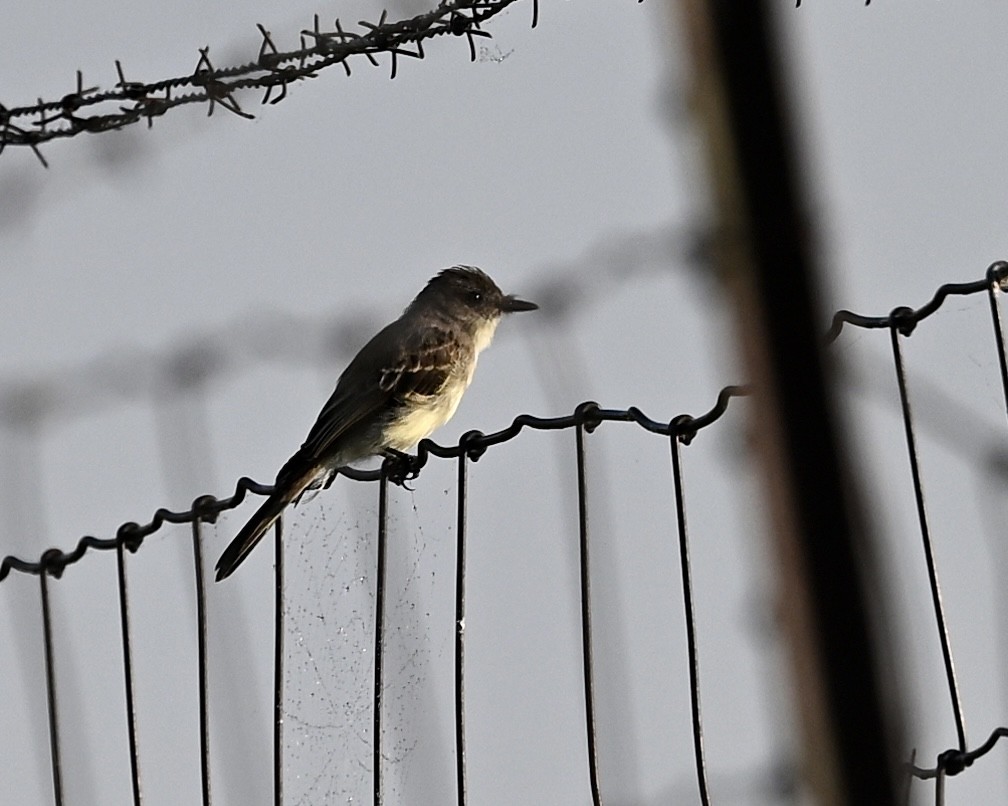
403,384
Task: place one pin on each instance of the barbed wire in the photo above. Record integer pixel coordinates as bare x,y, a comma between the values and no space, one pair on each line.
272,70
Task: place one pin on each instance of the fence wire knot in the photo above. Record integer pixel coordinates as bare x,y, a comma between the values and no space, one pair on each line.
206,508
953,762
903,319
53,562
587,414
473,445
997,275
130,535
683,428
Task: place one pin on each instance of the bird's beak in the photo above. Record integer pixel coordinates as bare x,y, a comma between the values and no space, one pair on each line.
511,304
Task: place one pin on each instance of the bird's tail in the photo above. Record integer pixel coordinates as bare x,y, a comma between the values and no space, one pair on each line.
260,523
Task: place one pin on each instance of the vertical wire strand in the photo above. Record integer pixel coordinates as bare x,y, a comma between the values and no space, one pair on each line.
460,565
54,748
124,626
201,660
379,630
691,644
908,778
936,597
278,664
999,339
586,631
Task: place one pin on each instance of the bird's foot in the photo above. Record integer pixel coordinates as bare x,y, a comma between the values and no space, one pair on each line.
401,467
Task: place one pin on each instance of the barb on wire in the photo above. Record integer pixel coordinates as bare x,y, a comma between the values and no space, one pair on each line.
128,102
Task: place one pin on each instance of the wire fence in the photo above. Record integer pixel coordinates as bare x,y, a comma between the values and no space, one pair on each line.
585,419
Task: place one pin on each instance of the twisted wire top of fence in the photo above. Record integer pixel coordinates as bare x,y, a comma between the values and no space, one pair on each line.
472,445
905,319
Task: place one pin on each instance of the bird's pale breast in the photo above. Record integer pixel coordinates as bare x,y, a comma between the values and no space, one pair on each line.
430,414
420,421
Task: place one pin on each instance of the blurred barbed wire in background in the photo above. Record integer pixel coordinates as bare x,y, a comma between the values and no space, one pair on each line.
127,374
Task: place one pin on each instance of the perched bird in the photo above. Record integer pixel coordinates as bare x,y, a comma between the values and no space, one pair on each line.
403,384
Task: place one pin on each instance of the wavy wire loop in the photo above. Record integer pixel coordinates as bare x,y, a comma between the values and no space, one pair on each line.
905,319
473,444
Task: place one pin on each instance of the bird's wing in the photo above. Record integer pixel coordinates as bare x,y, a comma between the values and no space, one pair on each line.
388,368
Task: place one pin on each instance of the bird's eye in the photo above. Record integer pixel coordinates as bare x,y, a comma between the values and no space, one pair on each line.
477,296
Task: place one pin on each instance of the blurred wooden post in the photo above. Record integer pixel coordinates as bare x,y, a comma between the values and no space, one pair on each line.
830,607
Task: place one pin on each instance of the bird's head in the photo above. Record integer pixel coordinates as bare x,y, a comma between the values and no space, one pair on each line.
468,294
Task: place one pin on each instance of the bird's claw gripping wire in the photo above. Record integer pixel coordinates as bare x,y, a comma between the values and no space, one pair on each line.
401,467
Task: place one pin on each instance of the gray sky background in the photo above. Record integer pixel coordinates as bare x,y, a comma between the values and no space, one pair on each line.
565,164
